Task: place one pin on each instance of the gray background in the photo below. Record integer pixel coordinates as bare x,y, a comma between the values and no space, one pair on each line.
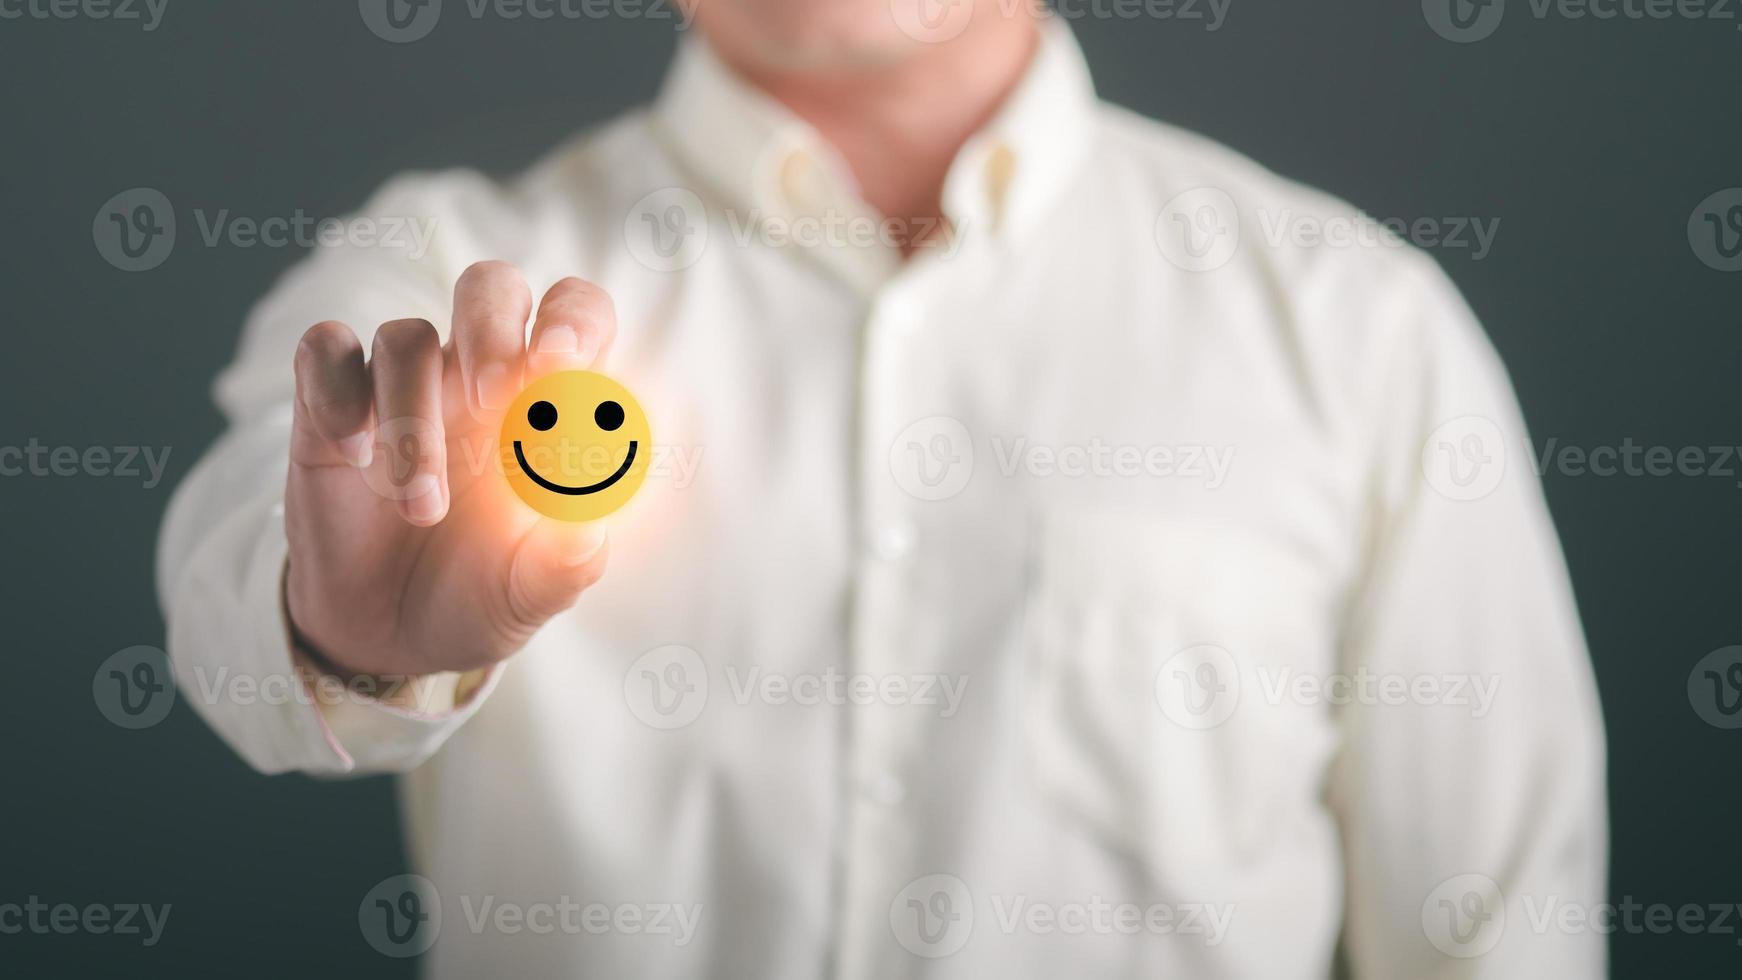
1592,141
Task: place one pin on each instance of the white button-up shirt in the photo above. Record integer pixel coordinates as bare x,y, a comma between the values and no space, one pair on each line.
1118,588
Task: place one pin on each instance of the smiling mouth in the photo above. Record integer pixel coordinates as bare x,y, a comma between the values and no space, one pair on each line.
526,468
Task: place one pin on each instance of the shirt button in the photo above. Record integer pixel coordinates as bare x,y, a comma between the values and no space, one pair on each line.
886,790
894,541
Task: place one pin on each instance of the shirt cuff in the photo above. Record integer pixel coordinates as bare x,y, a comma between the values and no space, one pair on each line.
372,724
236,664
375,724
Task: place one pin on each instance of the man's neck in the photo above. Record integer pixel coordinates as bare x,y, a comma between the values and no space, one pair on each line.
900,125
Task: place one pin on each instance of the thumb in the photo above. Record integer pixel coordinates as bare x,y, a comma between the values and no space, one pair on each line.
555,562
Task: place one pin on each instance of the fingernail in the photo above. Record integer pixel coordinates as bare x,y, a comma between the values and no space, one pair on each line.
589,350
561,347
495,388
359,449
582,545
423,498
560,339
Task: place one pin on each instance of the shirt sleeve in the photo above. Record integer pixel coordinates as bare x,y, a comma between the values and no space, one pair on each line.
222,548
1468,821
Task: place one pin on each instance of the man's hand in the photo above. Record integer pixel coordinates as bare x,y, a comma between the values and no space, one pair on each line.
408,553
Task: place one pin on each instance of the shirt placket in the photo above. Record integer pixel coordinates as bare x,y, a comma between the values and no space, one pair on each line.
885,738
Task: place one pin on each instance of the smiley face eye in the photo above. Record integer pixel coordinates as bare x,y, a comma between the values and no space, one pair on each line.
541,416
609,416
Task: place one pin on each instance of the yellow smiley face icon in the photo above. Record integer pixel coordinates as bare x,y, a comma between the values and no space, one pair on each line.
575,446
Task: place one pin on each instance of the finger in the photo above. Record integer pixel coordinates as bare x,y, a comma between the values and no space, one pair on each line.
552,566
331,424
491,304
576,323
406,370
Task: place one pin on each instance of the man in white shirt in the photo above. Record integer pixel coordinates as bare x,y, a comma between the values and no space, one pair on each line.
1042,571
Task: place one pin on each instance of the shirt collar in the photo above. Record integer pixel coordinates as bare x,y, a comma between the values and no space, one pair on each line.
750,152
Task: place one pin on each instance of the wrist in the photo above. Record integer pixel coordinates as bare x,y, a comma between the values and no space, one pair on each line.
315,656
433,693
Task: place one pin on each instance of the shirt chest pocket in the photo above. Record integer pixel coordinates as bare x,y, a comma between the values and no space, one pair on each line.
1155,651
